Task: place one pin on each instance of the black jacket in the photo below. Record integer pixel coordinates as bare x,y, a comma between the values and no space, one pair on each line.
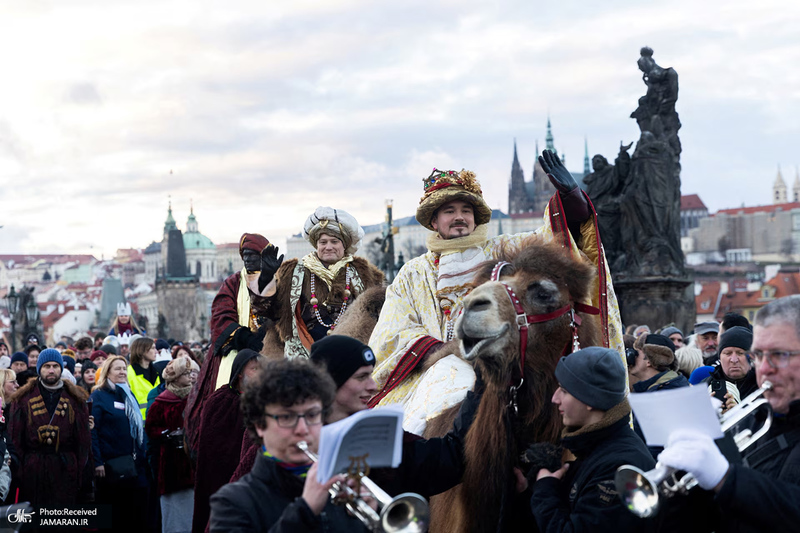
764,493
746,385
586,498
268,499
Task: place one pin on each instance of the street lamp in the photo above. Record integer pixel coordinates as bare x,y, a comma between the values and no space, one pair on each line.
32,314
12,304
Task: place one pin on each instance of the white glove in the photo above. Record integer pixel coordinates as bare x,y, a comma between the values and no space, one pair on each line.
697,454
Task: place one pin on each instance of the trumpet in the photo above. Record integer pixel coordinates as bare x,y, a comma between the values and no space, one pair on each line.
406,513
639,490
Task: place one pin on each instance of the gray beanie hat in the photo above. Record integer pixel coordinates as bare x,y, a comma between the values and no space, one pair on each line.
594,375
672,330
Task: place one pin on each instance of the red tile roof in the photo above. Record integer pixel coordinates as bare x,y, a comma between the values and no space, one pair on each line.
707,299
759,209
692,201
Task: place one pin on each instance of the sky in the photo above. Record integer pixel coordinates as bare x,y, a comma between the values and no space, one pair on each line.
258,112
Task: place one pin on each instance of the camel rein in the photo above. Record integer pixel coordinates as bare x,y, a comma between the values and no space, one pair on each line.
523,319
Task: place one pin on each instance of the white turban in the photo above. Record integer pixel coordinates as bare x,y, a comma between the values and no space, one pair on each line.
336,222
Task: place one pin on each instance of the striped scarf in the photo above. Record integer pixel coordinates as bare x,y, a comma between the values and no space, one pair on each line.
299,470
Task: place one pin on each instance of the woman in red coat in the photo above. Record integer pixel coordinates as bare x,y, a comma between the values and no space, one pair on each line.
164,425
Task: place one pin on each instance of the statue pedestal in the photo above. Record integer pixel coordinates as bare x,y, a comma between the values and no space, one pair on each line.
657,301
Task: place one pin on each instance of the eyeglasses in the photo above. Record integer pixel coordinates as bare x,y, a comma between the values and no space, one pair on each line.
775,359
290,420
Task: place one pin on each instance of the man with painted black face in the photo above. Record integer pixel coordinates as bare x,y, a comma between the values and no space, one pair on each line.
239,319
761,494
415,330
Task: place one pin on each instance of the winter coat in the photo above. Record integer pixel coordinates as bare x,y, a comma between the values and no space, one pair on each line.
174,470
746,385
111,436
269,499
586,498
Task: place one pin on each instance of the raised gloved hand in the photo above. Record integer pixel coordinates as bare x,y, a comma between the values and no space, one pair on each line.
697,454
560,177
270,262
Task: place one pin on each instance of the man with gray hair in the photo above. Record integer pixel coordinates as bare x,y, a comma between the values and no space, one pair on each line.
762,493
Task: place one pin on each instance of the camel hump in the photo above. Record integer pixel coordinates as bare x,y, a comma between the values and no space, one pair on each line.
360,318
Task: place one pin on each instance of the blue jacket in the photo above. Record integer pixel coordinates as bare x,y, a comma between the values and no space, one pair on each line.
111,436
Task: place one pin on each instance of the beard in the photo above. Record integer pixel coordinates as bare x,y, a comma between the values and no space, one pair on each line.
51,379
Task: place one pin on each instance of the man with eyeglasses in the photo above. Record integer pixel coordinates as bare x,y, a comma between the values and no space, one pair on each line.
283,406
762,494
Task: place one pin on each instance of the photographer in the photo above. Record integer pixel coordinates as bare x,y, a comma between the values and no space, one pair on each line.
164,425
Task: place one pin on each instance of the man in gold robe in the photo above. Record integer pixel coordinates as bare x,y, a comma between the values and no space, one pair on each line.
422,303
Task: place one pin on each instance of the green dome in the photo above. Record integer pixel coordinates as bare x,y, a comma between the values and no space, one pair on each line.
197,241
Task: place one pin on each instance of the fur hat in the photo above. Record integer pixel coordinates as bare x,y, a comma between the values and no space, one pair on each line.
594,375
658,349
50,355
251,241
444,186
178,367
336,222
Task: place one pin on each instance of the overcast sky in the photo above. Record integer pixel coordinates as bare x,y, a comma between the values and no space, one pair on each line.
265,110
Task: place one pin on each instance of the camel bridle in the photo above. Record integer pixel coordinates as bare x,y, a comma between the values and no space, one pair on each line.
523,320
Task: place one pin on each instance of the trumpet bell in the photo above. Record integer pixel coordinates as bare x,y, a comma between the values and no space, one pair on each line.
406,513
637,491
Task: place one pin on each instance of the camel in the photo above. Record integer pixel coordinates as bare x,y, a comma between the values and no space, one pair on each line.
545,278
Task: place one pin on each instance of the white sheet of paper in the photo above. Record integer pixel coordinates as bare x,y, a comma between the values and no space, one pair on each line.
662,412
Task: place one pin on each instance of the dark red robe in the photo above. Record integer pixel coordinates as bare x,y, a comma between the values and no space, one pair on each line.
174,469
55,448
221,433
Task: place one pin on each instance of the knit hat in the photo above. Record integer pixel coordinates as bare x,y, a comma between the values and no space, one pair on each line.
444,186
50,355
19,356
69,362
161,344
249,241
737,337
98,353
594,375
660,351
108,349
670,331
341,356
340,224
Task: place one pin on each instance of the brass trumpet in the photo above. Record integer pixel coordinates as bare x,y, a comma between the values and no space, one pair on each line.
406,513
639,490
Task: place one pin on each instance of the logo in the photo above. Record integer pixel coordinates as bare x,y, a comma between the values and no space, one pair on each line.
369,357
19,516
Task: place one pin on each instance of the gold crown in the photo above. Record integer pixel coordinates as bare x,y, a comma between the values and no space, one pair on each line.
439,179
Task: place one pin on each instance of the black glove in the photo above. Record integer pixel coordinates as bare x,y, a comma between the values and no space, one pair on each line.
576,208
244,338
560,177
270,262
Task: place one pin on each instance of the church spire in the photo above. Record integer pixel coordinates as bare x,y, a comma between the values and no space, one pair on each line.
779,189
587,169
796,186
169,224
549,137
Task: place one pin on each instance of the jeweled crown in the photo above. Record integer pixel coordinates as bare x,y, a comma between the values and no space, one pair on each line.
439,179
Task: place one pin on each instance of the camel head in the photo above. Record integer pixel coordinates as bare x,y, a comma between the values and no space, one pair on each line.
545,278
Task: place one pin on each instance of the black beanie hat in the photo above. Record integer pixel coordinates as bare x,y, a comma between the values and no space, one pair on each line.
341,356
19,357
594,375
738,337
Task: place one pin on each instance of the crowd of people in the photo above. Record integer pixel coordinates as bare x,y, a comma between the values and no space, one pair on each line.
178,437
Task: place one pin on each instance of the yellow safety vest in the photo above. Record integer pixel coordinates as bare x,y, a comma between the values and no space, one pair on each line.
140,388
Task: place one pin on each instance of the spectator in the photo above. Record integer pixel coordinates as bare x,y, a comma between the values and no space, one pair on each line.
143,376
675,335
180,349
3,348
654,362
734,366
641,330
732,320
282,406
98,341
19,362
688,359
108,349
705,337
581,495
221,434
83,348
98,357
49,426
8,385
32,351
88,376
174,476
118,446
